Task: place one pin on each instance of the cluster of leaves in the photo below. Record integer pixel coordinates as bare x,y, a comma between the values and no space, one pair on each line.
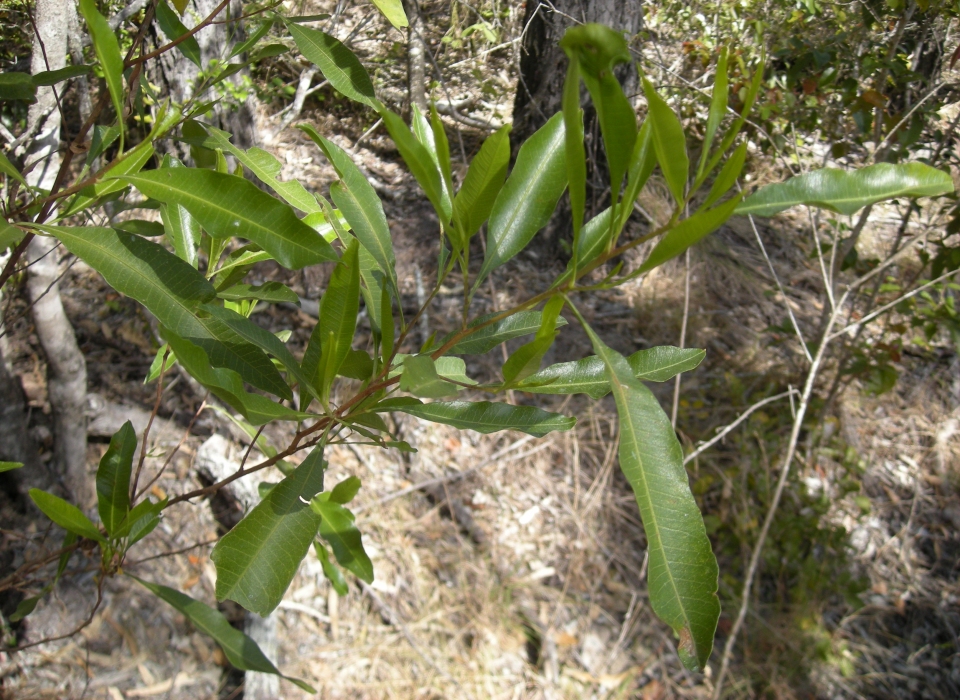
216,225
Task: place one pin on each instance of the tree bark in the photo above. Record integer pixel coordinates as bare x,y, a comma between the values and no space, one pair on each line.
543,67
66,367
416,56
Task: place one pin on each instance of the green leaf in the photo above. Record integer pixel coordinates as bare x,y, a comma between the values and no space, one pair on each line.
330,570
575,156
526,359
486,417
66,515
486,339
642,162
267,169
257,559
7,168
442,151
688,232
107,48
269,291
173,29
728,175
360,205
17,86
9,466
483,182
669,142
846,192
240,650
140,227
386,326
181,5
346,490
529,196
251,41
682,573
140,521
113,478
357,365
718,109
338,64
337,528
10,235
454,369
598,49
420,162
52,77
393,11
227,384
227,205
420,378
101,140
589,375
133,162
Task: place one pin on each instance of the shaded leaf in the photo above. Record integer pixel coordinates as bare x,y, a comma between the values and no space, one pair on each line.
669,142
718,108
7,168
845,192
107,48
486,339
688,232
483,181
330,570
141,227
257,559
113,478
269,291
420,378
420,162
240,650
338,64
728,175
17,86
337,528
173,29
66,515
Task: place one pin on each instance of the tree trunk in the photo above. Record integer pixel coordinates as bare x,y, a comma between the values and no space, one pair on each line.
66,367
416,56
543,67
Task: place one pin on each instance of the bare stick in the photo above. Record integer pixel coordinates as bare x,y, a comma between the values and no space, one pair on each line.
683,339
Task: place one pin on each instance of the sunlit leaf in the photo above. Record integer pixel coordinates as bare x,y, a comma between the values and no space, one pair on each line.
338,64
66,515
483,181
113,478
337,528
669,142
488,417
107,48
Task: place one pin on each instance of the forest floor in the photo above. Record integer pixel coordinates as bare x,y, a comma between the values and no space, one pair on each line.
512,567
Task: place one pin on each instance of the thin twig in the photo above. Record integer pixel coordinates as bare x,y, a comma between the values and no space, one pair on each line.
683,338
146,431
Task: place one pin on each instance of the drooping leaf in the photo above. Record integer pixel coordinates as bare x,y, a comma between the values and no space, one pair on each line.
642,162
486,339
52,77
528,197
330,570
718,108
669,142
598,49
113,478
346,490
682,572
107,48
173,29
337,528
240,650
688,232
845,192
574,154
227,384
483,182
360,205
728,175
338,64
66,515
420,162
257,559
420,378
393,11
227,205
487,417
589,375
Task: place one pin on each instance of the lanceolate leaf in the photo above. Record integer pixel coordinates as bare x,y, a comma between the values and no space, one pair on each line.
52,77
66,515
393,11
268,291
845,192
688,232
337,63
258,558
642,162
589,375
669,143
360,205
486,339
728,175
439,152
8,466
483,181
420,378
240,650
107,48
8,168
421,163
528,198
183,231
338,319
337,528
173,29
576,158
330,570
227,205
718,108
682,573
113,478
487,417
